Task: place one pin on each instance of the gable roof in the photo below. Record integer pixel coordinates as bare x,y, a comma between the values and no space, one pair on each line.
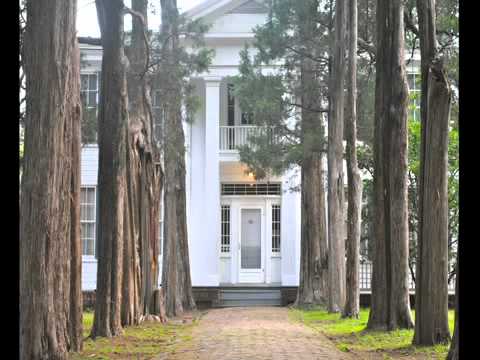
215,8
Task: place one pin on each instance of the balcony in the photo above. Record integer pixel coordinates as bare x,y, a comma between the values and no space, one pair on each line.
231,137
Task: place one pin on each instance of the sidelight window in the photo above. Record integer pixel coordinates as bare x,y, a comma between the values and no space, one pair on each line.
276,228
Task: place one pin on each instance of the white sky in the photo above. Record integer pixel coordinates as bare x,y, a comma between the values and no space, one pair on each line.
87,23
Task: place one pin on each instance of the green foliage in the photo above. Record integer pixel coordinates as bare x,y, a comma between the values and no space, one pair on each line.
351,334
143,341
414,139
365,162
294,33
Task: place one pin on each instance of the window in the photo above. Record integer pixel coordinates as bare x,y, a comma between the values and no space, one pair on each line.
87,220
414,89
89,90
251,189
89,95
225,222
158,116
275,228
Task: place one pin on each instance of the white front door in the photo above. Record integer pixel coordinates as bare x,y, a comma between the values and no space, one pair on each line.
251,249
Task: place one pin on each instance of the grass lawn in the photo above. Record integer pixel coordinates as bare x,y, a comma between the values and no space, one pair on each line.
138,342
350,335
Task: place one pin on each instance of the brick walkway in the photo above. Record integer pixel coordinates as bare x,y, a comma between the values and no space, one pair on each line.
254,333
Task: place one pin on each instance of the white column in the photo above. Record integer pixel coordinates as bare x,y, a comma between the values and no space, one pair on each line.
290,228
211,226
197,178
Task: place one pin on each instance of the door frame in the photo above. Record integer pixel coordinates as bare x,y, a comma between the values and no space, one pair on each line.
261,278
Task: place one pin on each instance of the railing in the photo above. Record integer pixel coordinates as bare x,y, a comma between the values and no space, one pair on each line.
366,276
231,137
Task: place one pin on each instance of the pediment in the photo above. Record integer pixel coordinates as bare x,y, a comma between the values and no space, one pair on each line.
249,7
212,9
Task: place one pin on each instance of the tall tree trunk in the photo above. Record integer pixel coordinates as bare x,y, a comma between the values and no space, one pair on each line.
112,126
312,288
352,303
176,280
144,183
390,308
50,248
336,191
431,288
453,353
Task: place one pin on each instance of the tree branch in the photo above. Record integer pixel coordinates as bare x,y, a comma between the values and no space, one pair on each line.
140,17
409,25
366,46
320,110
320,59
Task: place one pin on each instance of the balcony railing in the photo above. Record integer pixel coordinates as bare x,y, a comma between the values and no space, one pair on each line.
231,137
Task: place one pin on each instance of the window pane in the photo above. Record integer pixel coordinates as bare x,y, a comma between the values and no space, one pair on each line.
84,82
83,98
83,212
276,228
83,195
225,228
411,81
88,247
92,82
90,230
88,237
90,213
251,239
91,196
87,218
92,98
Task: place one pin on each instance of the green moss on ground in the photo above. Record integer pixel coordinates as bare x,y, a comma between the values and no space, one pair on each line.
144,341
350,335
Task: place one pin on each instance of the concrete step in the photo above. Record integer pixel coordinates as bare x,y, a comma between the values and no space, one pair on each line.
246,303
249,297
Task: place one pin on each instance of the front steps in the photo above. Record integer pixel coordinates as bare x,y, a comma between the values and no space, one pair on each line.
232,297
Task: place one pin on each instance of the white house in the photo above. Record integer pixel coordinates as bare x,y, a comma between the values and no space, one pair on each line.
240,231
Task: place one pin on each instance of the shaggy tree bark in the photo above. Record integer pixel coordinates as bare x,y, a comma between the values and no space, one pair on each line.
336,197
50,248
390,307
176,280
112,131
431,290
352,302
144,185
312,288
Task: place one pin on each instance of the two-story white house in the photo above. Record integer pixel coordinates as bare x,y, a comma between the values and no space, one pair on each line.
241,232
